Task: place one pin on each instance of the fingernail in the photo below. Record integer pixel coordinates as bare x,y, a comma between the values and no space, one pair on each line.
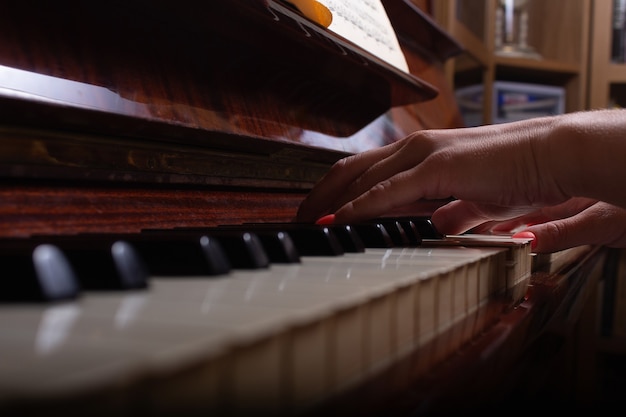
328,219
527,235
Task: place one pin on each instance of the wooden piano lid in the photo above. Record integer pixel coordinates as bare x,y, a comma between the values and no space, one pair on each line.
195,94
243,62
230,75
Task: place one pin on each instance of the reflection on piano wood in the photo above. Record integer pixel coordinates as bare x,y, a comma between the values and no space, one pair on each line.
134,116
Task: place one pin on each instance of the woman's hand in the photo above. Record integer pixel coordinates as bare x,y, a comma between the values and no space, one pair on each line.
453,218
565,175
577,221
599,224
494,167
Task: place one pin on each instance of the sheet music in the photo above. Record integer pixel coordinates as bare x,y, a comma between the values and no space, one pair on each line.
365,22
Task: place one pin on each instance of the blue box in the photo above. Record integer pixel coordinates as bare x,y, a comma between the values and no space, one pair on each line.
512,101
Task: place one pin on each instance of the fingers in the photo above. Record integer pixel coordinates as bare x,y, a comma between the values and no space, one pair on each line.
545,214
401,190
331,189
435,164
601,224
363,175
460,216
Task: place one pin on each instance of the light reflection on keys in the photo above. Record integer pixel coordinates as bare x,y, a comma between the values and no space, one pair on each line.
309,329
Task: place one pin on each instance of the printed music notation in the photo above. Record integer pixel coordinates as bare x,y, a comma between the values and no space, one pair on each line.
366,24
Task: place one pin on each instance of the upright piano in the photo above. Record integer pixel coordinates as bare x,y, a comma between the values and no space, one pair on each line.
153,121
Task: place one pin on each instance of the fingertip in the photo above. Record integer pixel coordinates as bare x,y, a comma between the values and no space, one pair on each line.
325,220
527,235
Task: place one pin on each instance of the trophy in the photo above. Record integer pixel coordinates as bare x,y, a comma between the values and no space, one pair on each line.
512,30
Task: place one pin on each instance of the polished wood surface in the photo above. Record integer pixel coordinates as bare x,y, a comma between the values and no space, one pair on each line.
117,117
127,115
254,68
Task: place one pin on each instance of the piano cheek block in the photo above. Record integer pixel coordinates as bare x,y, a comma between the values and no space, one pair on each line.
41,275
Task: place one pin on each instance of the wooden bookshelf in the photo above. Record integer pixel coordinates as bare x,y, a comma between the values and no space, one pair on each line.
607,80
558,31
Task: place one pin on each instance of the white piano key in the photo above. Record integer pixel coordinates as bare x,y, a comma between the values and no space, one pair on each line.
285,337
381,341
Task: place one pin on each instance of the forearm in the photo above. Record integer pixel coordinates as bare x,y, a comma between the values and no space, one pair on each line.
586,154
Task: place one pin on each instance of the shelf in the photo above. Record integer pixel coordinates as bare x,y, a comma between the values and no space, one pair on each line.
545,65
473,45
563,47
604,74
616,73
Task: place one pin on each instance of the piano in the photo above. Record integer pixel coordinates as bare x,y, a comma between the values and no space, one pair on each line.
133,127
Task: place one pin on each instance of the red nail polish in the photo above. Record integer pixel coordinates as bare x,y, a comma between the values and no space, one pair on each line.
527,235
328,219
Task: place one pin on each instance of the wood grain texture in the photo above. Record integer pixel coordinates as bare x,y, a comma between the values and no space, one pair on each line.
151,114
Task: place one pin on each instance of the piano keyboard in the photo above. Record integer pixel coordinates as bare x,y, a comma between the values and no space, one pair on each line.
278,339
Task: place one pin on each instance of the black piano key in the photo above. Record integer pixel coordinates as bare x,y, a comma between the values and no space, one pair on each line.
348,237
403,231
412,234
36,273
425,227
279,246
316,241
129,267
175,254
102,262
395,230
216,259
310,239
373,235
243,249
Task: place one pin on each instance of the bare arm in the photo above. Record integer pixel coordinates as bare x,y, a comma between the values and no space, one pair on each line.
494,172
